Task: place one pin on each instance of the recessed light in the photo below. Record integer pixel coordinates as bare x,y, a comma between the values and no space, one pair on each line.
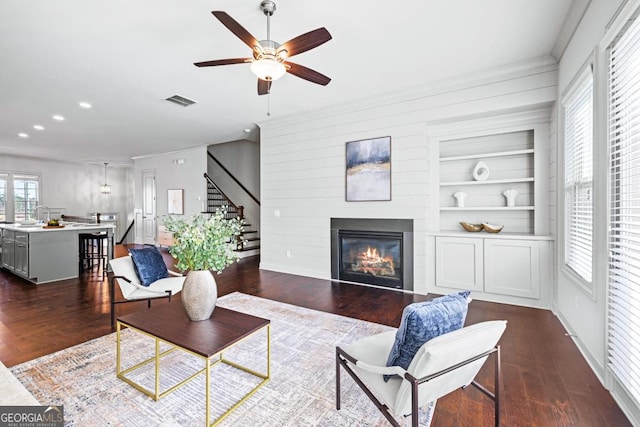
85,105
58,117
23,135
247,130
38,127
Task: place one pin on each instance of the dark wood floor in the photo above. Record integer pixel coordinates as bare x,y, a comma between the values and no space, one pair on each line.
546,380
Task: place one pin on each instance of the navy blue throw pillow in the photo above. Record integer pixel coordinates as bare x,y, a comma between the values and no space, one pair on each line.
424,321
149,265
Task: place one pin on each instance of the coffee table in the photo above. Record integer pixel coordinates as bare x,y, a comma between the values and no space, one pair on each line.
206,339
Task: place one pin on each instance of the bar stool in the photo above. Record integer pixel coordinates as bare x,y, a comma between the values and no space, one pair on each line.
91,250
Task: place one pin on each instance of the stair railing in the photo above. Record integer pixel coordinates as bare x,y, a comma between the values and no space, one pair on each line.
239,210
254,198
227,200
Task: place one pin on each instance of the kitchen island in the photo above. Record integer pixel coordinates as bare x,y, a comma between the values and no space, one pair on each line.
40,254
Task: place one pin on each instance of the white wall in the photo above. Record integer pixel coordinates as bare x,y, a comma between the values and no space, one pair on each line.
76,186
171,174
583,311
303,163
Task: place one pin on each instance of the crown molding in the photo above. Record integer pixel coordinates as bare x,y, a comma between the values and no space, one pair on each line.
468,81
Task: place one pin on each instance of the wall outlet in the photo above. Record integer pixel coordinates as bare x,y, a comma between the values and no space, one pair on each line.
288,254
276,213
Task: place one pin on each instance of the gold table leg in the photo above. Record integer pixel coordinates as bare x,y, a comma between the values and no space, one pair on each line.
156,394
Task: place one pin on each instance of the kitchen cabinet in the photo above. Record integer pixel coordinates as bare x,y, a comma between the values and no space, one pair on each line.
494,265
15,252
21,254
43,255
8,249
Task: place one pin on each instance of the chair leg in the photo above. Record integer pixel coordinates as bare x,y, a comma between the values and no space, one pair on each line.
381,406
337,380
112,297
497,386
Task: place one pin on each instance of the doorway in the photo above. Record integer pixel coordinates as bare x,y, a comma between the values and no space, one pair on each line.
149,207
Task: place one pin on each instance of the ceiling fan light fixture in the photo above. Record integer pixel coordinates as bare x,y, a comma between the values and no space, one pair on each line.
268,69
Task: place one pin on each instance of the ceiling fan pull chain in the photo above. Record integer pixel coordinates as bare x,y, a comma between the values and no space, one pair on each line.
269,104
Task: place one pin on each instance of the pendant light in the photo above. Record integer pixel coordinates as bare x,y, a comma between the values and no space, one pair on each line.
105,188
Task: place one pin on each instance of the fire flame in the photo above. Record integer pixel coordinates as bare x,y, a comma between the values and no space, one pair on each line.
372,253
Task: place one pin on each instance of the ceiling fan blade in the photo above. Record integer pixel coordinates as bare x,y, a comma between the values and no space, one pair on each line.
307,74
306,41
264,87
236,28
222,62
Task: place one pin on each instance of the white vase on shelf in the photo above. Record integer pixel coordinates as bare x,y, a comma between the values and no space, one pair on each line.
510,195
481,171
460,196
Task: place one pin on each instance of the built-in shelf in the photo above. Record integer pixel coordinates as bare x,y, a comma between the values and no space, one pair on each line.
487,155
487,208
517,164
487,182
510,160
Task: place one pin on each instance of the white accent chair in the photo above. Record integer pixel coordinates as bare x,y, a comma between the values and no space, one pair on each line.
124,274
441,366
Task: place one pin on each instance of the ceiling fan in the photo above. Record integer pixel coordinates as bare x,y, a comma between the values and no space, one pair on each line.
269,57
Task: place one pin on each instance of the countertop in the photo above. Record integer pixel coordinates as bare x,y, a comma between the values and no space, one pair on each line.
68,226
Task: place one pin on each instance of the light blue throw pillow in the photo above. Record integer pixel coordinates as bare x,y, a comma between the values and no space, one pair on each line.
426,320
149,265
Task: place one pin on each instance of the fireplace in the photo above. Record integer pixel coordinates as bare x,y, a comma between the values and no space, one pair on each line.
373,251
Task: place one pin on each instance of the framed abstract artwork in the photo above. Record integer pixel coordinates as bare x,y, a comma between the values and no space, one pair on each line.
368,170
175,199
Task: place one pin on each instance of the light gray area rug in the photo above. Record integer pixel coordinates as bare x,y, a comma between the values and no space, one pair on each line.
301,391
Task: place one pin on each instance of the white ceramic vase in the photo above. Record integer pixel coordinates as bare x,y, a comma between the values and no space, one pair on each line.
199,294
460,196
481,171
511,195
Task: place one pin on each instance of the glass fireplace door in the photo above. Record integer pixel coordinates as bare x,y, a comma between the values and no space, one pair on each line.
373,258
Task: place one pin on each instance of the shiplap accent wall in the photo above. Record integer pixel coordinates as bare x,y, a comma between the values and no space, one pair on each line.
303,163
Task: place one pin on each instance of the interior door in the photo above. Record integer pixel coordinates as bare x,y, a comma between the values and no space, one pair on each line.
149,207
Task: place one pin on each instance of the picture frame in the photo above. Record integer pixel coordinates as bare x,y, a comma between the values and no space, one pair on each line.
175,201
368,170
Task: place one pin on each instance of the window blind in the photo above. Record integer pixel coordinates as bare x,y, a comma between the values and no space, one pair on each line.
578,166
624,230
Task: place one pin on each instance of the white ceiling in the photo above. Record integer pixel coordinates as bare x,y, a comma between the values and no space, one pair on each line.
126,56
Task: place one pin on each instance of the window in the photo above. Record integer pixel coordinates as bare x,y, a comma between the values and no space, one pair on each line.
19,196
624,210
26,192
578,179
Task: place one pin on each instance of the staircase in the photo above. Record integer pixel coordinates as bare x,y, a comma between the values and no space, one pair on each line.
248,242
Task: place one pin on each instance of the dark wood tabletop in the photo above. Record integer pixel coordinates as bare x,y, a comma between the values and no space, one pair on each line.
170,323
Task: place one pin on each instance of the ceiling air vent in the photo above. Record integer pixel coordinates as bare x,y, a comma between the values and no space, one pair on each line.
181,100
